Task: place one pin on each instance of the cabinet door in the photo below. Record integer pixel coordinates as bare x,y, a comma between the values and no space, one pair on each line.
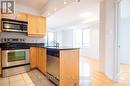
42,25
42,60
21,16
33,57
36,25
9,16
69,68
0,62
32,25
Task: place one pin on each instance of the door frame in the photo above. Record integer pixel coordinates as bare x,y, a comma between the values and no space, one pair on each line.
116,59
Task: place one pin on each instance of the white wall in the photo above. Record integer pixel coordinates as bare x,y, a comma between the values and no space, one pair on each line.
93,49
124,41
124,24
22,35
107,38
67,38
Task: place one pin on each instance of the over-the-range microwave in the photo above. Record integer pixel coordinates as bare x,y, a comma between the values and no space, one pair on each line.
10,25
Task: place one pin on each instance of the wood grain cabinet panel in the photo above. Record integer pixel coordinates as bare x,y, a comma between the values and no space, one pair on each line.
42,25
32,26
9,16
0,21
33,57
17,16
36,25
42,60
38,58
69,68
21,16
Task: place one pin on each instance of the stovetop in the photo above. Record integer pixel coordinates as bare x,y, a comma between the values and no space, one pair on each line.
13,46
17,43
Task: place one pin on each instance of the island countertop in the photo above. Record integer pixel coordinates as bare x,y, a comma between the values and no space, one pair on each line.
63,48
54,47
42,45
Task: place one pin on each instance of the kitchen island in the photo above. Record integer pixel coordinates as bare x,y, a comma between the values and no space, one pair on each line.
63,65
59,64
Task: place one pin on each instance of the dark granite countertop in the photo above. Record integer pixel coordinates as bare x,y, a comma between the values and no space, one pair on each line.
42,45
63,48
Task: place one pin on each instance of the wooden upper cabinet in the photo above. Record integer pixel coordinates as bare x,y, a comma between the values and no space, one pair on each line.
21,16
17,16
42,25
36,25
9,16
32,25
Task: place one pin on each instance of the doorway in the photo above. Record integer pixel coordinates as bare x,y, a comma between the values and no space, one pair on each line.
124,42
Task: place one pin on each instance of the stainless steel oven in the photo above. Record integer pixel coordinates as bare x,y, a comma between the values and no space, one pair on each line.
14,25
15,57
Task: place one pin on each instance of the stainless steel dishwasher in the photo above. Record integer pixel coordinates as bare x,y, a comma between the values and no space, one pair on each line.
53,65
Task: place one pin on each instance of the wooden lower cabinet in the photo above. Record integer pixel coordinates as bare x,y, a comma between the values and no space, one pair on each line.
38,58
69,64
33,57
69,68
42,60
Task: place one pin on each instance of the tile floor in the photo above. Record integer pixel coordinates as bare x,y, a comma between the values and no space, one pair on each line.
33,78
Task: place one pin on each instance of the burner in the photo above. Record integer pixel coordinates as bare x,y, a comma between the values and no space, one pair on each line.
14,43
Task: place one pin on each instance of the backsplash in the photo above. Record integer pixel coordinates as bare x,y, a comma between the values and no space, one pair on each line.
22,35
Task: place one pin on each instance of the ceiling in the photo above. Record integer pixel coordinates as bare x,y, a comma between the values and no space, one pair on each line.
75,13
71,13
40,7
35,4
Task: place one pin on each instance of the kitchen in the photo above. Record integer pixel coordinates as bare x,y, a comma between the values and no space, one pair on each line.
58,43
22,49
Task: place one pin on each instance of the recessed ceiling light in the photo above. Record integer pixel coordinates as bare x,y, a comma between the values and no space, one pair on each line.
55,9
65,2
48,14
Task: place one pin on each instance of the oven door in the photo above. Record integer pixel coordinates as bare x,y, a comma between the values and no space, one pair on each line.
15,57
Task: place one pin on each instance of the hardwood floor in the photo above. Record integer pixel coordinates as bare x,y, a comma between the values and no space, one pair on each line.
125,74
89,76
95,78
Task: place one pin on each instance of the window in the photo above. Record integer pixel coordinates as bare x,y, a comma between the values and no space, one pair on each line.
78,38
81,37
49,38
86,37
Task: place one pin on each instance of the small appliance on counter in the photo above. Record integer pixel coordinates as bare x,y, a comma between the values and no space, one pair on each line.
15,56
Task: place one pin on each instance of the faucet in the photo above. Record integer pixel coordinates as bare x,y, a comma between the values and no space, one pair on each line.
55,43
